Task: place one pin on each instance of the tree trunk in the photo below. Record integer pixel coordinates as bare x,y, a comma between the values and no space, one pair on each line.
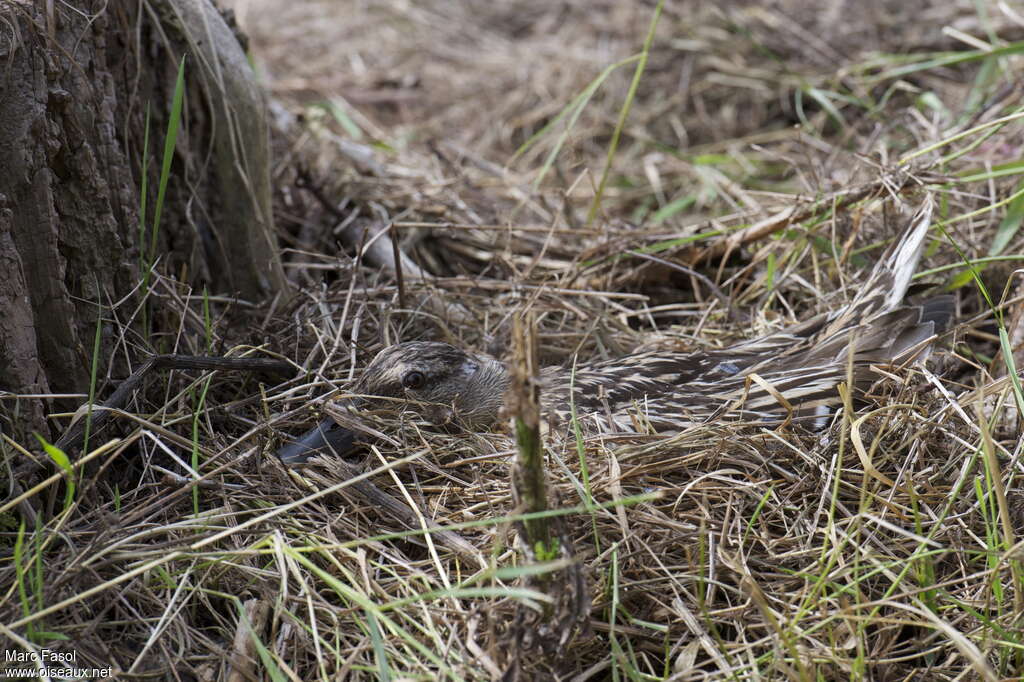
78,82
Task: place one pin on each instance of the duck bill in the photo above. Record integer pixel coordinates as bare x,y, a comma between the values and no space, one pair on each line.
326,438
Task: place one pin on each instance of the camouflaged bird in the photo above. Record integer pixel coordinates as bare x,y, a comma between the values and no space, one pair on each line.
791,374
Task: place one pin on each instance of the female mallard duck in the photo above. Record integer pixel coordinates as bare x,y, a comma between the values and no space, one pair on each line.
791,374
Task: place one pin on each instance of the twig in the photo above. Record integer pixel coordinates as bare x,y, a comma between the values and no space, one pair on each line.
68,442
725,245
396,254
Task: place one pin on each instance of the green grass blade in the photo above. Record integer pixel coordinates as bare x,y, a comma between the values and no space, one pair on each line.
170,141
60,458
92,377
624,113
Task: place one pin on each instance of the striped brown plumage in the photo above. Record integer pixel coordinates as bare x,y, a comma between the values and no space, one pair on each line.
791,374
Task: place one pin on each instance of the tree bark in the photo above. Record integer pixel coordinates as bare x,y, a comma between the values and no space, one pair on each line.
76,82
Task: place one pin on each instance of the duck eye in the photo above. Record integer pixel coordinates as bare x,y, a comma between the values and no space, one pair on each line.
413,379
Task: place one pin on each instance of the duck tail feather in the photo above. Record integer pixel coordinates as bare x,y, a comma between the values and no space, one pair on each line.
902,262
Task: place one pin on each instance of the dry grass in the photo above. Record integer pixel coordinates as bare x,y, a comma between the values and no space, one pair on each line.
882,548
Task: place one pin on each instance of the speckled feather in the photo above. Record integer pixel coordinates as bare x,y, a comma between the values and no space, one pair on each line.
668,391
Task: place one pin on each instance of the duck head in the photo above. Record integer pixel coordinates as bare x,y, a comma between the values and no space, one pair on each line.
439,381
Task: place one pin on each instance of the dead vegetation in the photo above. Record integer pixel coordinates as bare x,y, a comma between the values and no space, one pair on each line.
883,548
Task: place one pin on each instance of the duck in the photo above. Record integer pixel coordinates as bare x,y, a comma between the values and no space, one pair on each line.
788,376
